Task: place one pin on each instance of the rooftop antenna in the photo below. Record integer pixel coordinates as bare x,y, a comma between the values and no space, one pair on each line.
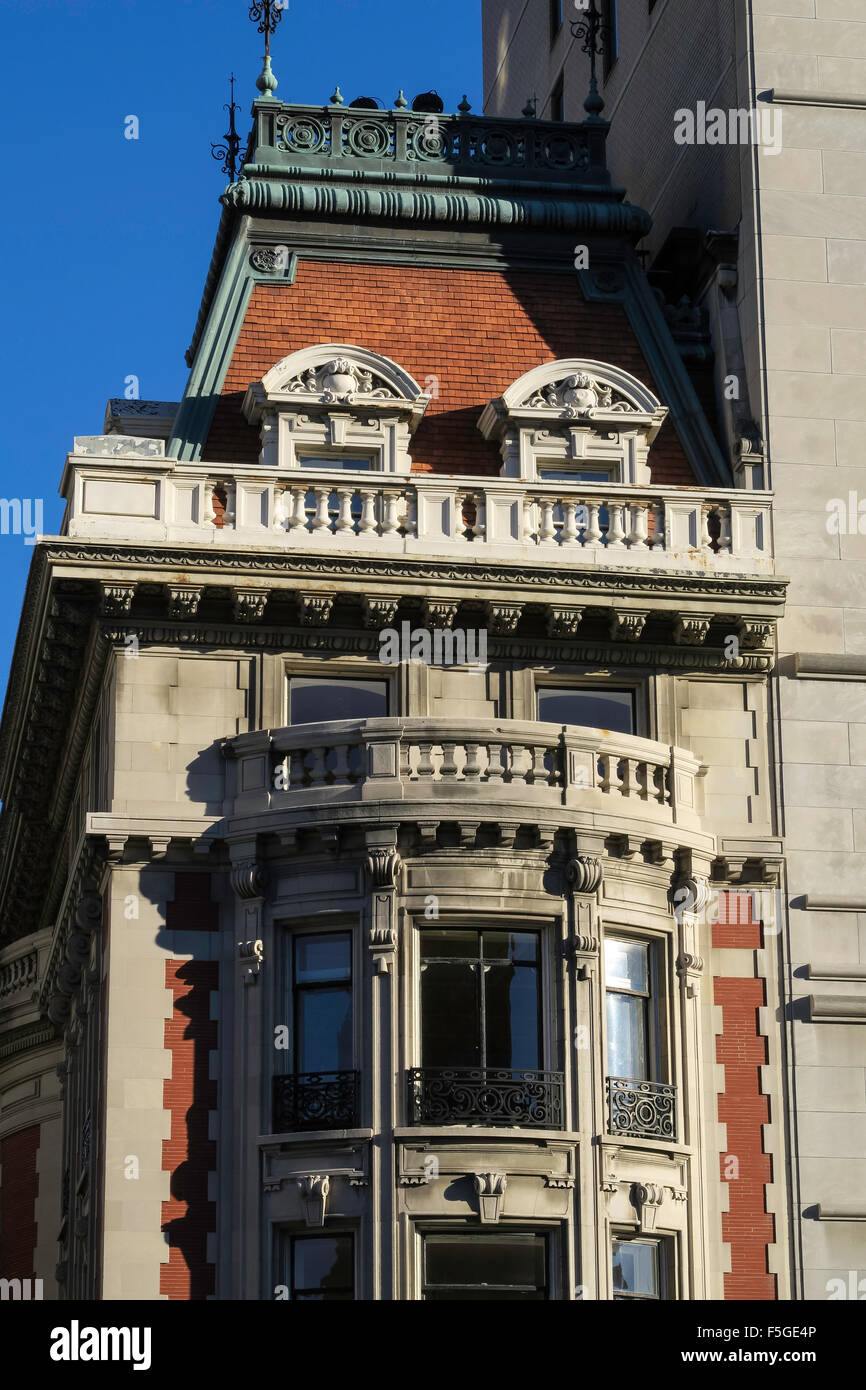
229,150
267,15
593,33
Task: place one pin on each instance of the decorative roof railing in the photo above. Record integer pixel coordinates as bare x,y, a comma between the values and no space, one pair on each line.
347,141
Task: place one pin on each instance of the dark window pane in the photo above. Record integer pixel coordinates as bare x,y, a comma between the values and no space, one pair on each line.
322,958
450,1016
636,1268
611,710
314,701
360,465
439,944
324,1023
511,945
574,475
492,1261
626,964
513,1007
322,1262
627,1036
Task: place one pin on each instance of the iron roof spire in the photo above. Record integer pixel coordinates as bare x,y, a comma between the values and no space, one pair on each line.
594,36
229,150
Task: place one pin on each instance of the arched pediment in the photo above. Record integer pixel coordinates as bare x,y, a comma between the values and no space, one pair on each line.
335,374
578,387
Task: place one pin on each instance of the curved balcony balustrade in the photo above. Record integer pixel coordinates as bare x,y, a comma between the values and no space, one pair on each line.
500,764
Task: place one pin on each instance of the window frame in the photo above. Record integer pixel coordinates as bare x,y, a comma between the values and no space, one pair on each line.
327,669
553,1256
296,989
550,680
291,1234
668,1274
659,1022
374,458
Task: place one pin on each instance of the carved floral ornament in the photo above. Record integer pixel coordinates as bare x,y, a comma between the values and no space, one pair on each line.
334,375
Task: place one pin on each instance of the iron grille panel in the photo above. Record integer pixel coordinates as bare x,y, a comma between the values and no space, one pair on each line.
643,1109
486,1096
316,1100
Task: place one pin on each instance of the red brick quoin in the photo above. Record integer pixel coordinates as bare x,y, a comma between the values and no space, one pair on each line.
474,331
747,1226
189,1155
18,1193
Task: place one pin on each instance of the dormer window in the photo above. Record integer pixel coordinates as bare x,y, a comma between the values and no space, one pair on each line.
336,406
575,420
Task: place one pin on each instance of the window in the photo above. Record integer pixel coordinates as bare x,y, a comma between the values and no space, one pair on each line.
322,989
319,1090
555,19
610,34
556,472
355,464
592,707
557,100
317,1269
631,1031
480,999
504,1266
640,1268
314,700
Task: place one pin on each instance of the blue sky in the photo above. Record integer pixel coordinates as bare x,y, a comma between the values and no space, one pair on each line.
106,241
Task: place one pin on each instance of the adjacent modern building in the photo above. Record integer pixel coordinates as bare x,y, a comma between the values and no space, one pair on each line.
741,127
391,843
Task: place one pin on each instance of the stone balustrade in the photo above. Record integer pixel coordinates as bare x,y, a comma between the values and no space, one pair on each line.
533,764
140,496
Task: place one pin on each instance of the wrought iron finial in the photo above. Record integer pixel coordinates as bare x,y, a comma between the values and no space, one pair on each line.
337,98
594,37
531,108
267,15
465,106
229,150
401,103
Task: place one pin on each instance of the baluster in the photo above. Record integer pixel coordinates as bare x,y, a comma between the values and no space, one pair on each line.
569,525
341,764
405,761
298,513
318,770
529,524
706,538
495,774
610,780
298,767
472,770
368,509
592,534
425,762
538,772
481,515
449,763
345,520
616,533
322,519
547,530
639,519
629,785
724,513
518,759
390,523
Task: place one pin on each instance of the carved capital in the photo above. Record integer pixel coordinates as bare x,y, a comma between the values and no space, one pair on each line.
380,610
690,629
183,600
491,1192
756,634
116,599
564,622
440,613
503,617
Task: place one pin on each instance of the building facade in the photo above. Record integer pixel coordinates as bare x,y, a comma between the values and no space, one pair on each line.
758,253
390,725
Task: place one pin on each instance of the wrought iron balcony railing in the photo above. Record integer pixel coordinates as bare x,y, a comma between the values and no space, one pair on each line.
641,1109
316,1100
485,1096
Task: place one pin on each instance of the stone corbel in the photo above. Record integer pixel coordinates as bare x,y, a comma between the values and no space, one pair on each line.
627,627
440,613
383,870
158,845
251,953
584,874
491,1193
315,608
609,1180
116,845
646,1198
116,599
508,833
379,610
756,635
249,878
183,600
690,629
564,622
314,1189
690,968
502,618
248,605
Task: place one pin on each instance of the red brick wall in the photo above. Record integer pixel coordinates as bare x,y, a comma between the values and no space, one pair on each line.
19,1188
476,331
747,1226
189,1154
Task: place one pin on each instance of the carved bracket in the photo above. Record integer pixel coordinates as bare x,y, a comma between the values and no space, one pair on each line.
314,1189
646,1198
491,1192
